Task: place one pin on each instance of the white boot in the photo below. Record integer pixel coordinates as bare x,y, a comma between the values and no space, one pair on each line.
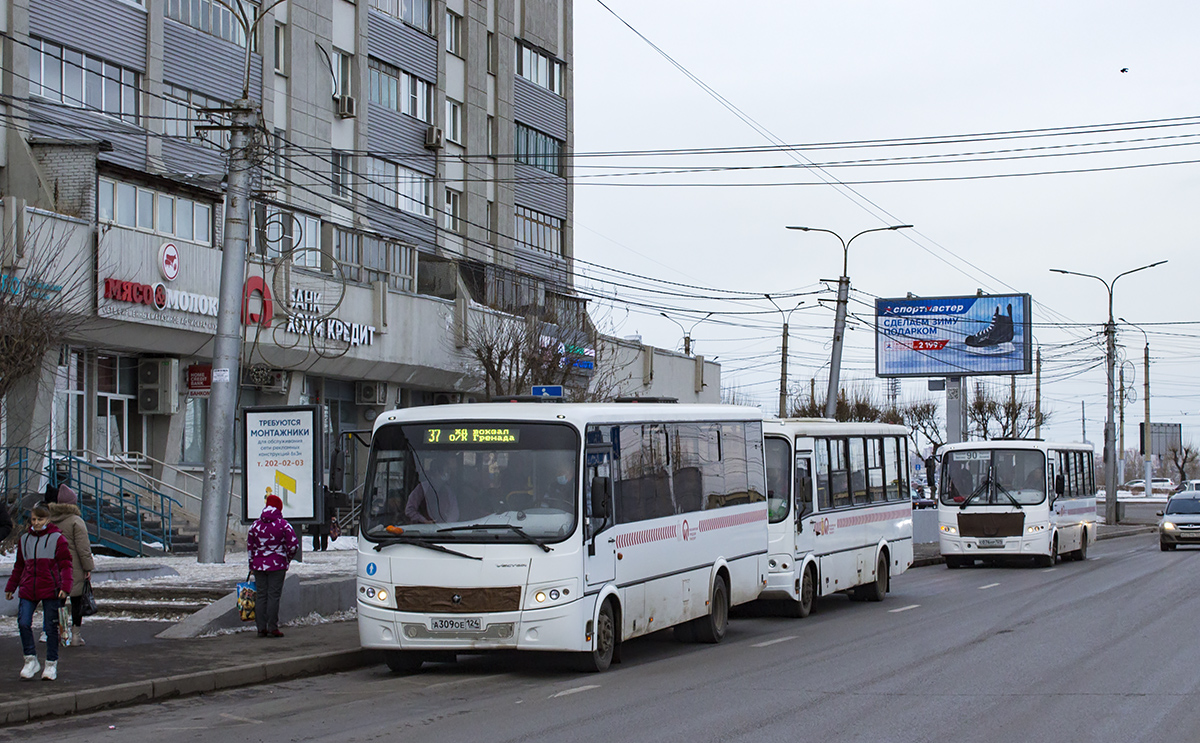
31,667
76,637
51,672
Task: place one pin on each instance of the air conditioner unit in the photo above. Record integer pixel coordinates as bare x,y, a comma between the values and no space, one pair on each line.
434,138
276,382
370,393
158,386
347,107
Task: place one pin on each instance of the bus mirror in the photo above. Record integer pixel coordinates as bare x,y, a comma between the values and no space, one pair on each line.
1060,484
600,497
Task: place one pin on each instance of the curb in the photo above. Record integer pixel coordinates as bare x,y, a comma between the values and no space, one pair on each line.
137,692
924,562
1127,531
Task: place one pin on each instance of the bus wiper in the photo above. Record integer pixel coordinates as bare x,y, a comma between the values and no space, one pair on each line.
416,542
515,529
978,492
1008,495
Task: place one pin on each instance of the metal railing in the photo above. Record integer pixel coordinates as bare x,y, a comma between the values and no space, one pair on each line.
128,515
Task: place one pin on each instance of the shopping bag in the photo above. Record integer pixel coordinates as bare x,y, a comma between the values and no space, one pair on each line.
335,531
246,595
64,623
88,606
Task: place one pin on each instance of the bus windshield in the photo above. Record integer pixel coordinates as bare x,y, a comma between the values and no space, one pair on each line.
472,482
990,477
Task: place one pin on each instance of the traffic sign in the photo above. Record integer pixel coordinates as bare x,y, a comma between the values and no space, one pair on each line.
547,390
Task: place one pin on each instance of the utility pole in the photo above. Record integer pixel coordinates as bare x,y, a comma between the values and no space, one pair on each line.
1037,397
227,346
1121,434
1083,420
1147,467
787,316
1012,398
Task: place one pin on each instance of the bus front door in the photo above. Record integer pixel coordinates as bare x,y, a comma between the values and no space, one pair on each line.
803,490
600,561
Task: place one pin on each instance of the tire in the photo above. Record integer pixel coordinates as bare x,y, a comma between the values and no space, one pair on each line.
600,657
1047,561
711,628
1081,553
877,589
403,661
1164,546
954,563
803,606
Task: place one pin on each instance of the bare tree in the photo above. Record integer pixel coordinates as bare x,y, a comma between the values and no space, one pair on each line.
1183,458
855,404
995,417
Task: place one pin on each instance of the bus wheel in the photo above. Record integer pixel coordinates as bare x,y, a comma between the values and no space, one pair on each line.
1047,561
877,590
1081,553
403,661
711,629
953,563
803,605
600,657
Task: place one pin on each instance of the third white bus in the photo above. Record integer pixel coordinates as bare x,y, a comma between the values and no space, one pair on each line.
839,508
1016,498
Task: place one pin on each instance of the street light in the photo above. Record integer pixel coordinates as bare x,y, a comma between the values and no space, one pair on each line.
839,326
1146,466
783,359
687,333
1110,426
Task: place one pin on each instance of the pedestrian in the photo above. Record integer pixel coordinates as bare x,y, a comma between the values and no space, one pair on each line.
321,532
66,516
271,543
42,573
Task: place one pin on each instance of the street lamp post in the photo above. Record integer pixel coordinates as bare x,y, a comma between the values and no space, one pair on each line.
839,327
784,357
1110,426
1146,466
687,332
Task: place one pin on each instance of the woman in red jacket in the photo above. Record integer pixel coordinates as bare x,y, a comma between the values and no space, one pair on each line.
42,573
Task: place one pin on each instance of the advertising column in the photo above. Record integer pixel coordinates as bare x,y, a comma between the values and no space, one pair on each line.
282,455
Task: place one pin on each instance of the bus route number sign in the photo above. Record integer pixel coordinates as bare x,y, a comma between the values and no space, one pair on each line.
471,435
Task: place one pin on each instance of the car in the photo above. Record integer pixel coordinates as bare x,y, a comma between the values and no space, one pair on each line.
920,499
1188,486
1158,485
1133,486
1179,522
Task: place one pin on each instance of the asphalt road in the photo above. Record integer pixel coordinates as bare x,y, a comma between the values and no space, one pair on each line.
1098,651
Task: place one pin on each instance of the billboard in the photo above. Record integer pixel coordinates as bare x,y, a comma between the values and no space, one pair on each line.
282,455
953,336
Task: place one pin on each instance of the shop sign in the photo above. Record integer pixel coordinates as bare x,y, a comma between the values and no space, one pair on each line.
199,380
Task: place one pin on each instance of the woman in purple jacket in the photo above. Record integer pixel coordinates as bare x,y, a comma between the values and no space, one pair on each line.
42,573
271,543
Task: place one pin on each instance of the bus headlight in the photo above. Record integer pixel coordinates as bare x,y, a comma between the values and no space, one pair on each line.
548,594
947,529
1036,528
540,597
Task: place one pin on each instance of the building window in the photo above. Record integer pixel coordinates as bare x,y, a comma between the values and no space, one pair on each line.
182,117
77,79
453,31
278,232
454,128
195,422
452,217
538,149
399,187
491,136
540,68
398,90
417,13
538,231
344,68
278,168
149,210
367,258
342,169
281,48
119,427
491,52
212,17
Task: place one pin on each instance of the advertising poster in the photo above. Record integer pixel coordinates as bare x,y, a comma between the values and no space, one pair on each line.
953,336
282,452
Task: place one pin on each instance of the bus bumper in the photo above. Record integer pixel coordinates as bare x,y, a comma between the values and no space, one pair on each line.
782,574
1029,545
560,627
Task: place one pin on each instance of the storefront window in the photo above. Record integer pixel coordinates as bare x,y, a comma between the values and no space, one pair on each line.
195,420
120,429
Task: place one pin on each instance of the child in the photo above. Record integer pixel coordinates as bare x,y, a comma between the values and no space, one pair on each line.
43,573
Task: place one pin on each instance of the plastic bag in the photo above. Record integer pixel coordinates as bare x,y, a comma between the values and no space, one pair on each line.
335,530
88,607
64,623
246,595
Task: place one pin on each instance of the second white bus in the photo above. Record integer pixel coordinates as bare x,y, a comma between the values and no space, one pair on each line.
840,510
1016,498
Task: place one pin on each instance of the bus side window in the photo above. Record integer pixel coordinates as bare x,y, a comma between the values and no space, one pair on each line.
804,494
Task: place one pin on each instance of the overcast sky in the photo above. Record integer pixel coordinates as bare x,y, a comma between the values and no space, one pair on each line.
823,72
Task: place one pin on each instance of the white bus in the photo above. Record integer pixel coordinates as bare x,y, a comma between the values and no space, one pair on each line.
839,508
1013,498
559,527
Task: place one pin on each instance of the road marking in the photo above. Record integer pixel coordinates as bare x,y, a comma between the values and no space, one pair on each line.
1049,570
241,719
903,608
576,690
990,585
776,641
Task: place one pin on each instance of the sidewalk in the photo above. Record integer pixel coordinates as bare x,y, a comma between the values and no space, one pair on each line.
125,663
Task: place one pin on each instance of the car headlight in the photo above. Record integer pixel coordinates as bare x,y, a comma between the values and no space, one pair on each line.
947,529
1168,526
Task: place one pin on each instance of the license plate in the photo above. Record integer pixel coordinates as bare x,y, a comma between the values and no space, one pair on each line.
455,624
1190,534
989,543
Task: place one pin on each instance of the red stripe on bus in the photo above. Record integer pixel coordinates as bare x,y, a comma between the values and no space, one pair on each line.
871,518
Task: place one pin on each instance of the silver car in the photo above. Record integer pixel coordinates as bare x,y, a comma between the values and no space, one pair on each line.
1180,523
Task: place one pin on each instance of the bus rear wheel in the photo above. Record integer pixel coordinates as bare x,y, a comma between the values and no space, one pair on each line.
1081,553
403,661
711,628
600,657
876,590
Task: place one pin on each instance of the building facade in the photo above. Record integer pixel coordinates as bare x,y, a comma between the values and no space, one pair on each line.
412,165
